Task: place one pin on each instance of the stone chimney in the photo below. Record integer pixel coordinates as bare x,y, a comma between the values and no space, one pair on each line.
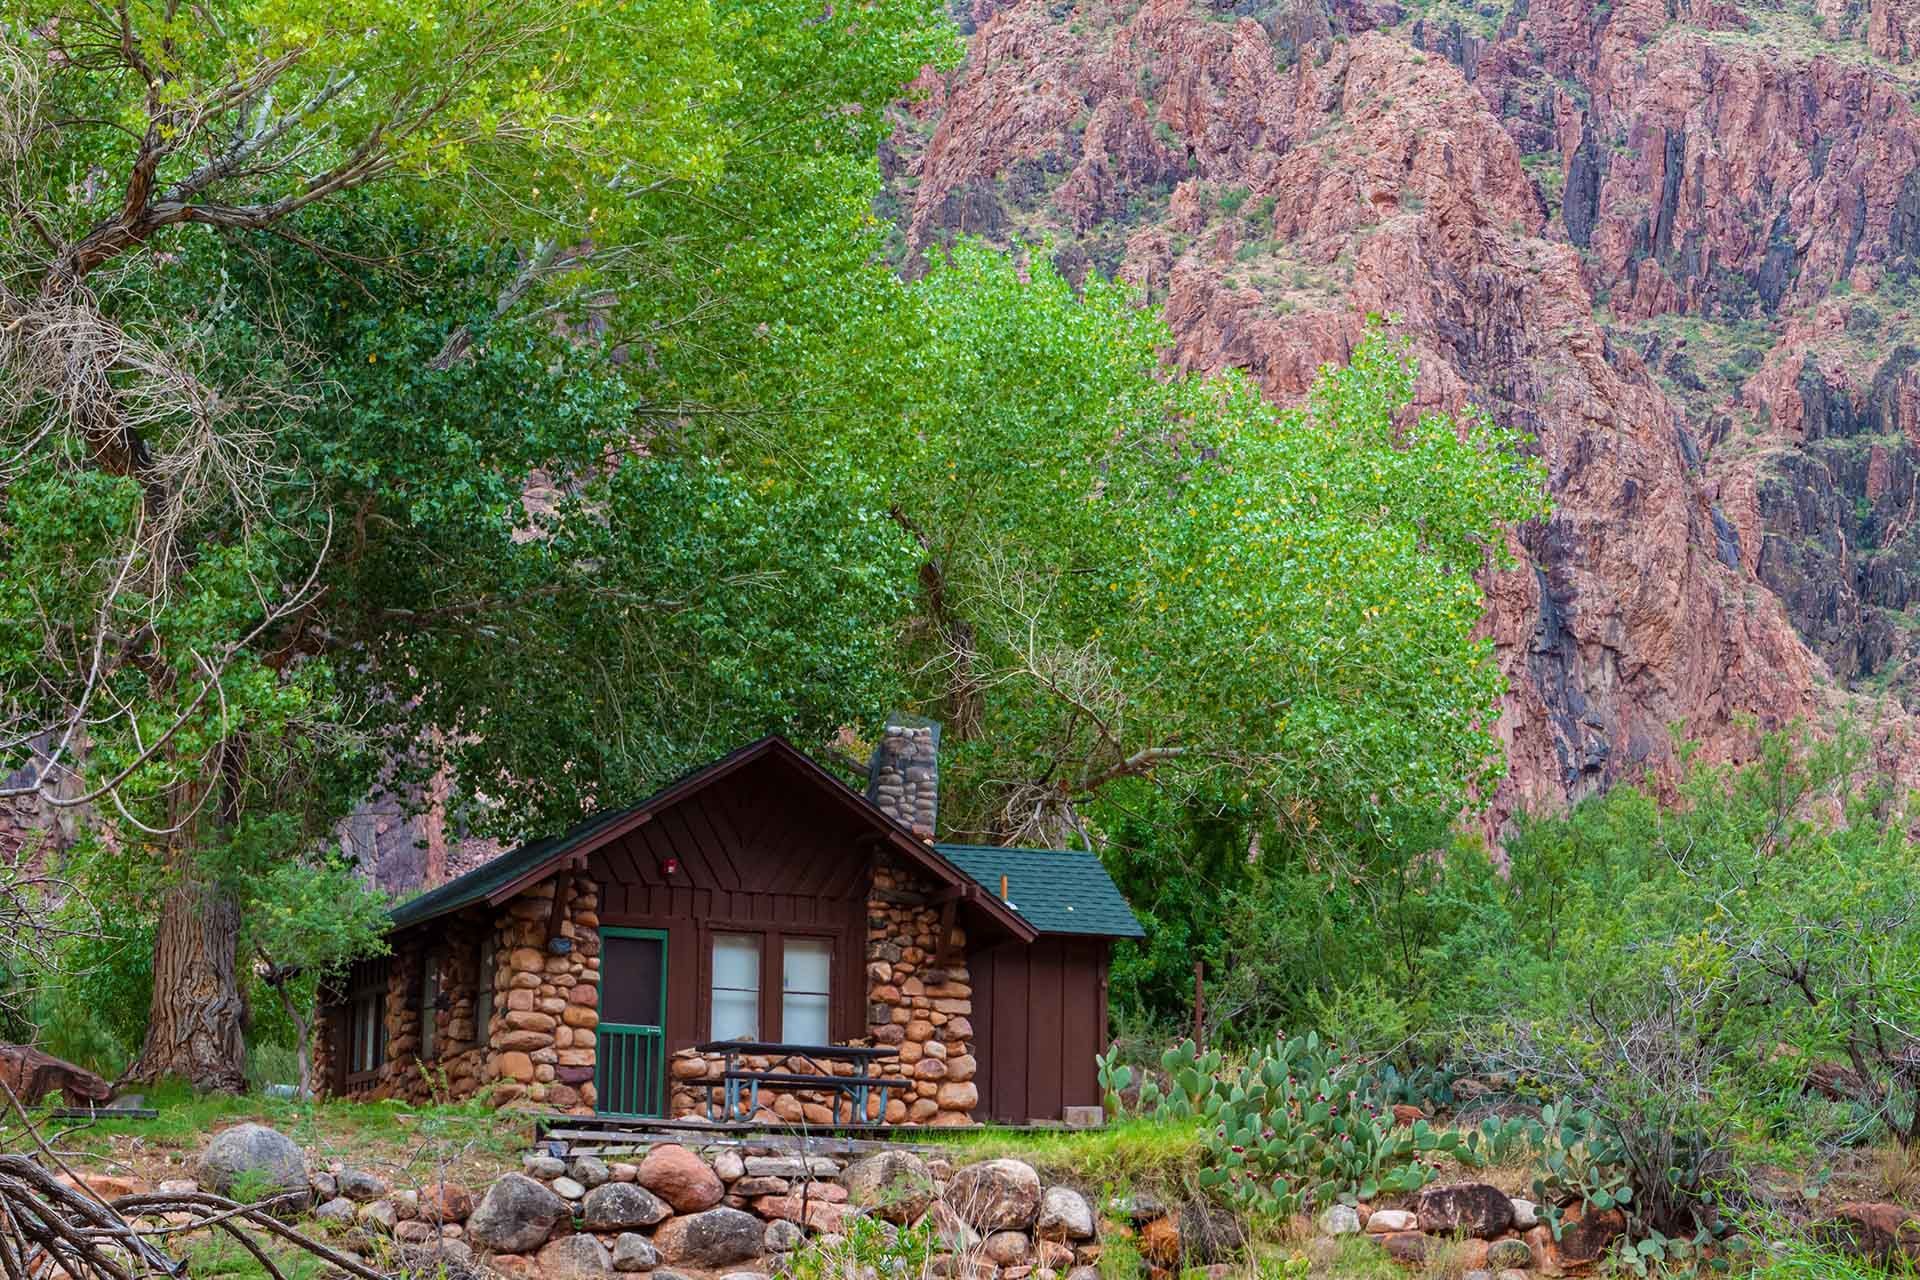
903,778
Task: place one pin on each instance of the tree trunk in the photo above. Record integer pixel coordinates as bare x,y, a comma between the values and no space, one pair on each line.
196,1024
303,1029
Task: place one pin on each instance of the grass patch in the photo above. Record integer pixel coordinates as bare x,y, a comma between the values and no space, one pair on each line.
1132,1153
405,1144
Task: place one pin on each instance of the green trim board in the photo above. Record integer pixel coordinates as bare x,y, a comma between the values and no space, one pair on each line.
630,1059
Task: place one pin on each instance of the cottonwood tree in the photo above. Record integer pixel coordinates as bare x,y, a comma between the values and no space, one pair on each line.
1129,573
196,579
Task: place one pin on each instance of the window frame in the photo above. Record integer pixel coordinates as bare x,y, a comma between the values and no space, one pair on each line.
713,940
772,977
483,990
780,996
432,959
364,1034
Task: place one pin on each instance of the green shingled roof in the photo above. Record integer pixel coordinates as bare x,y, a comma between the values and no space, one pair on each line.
1054,890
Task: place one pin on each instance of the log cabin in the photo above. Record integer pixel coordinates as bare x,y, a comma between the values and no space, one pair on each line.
756,942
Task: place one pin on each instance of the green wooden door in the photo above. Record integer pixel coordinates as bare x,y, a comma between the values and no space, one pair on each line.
630,1047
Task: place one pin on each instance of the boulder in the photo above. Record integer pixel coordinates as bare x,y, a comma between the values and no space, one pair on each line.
783,1237
1525,1214
1509,1254
1340,1220
729,1165
1881,1232
1587,1234
545,1167
1006,1248
445,1202
567,1189
791,1166
516,1215
589,1171
681,1178
1064,1215
254,1158
710,1239
622,1206
574,1257
415,1231
893,1185
1465,1208
633,1252
378,1215
338,1209
996,1195
1383,1222
361,1186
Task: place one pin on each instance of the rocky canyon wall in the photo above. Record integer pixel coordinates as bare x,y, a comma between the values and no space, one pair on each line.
1674,241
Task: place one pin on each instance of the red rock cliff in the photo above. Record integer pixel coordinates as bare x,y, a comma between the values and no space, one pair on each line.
1676,247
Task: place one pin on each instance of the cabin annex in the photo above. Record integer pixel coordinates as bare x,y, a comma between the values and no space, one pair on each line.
758,900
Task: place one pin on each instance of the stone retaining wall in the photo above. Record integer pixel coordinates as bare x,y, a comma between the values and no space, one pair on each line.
737,1209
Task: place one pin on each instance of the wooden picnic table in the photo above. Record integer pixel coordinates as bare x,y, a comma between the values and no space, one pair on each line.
855,1086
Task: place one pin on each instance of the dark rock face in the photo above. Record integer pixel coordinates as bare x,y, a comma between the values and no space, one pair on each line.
1840,545
622,1206
713,1238
516,1215
1469,1208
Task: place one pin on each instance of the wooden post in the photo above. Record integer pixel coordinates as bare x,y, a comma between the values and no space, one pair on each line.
1200,1004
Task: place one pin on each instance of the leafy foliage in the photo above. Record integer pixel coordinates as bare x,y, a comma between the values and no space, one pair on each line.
1290,1130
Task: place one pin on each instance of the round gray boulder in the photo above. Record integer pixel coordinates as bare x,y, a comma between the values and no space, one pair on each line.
575,1257
633,1252
253,1158
622,1206
515,1216
710,1240
996,1195
894,1185
1066,1215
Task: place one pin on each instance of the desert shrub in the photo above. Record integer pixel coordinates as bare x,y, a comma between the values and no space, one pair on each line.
1291,1128
867,1247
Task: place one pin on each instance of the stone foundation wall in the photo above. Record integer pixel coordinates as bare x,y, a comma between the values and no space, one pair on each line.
546,1006
538,1044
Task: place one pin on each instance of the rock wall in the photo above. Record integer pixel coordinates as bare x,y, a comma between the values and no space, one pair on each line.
1598,222
538,1044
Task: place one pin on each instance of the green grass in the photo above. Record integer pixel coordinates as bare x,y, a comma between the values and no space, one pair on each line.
1134,1153
403,1141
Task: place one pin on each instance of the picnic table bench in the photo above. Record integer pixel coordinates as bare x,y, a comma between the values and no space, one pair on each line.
736,1079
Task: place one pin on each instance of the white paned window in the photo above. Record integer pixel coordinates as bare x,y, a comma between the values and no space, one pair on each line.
736,986
806,987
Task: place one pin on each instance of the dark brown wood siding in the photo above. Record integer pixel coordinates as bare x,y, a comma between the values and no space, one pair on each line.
757,852
1039,1017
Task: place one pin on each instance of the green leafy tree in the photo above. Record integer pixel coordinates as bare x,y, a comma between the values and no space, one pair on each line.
1132,572
231,520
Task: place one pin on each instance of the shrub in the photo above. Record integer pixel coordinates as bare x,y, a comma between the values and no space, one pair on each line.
1292,1129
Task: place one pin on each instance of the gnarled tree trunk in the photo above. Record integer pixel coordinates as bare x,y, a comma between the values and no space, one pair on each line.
196,1024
